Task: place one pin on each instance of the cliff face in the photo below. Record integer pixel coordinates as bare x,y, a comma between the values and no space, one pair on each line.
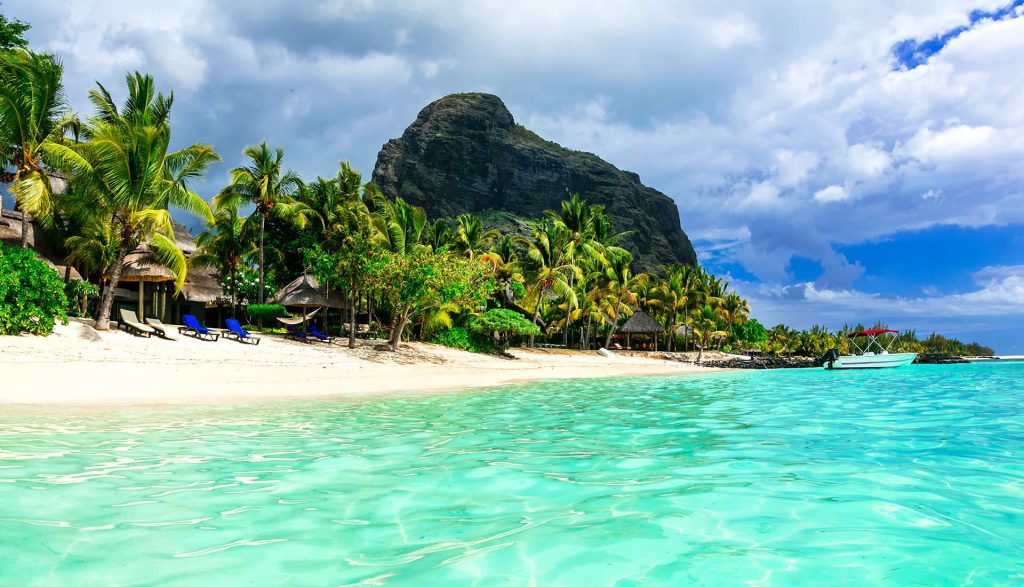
465,153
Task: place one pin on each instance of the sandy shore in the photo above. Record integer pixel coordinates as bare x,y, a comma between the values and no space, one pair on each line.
77,365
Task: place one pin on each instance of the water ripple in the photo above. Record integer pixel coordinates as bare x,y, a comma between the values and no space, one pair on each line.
913,476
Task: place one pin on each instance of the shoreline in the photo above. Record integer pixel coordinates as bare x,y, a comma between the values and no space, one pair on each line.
77,366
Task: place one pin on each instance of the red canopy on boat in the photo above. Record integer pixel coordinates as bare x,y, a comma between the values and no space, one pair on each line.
873,332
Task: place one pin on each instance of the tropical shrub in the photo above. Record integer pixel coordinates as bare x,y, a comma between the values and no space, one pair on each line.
264,313
502,325
76,289
460,338
751,334
31,294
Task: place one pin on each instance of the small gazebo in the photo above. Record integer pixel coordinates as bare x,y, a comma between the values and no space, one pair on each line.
641,323
306,292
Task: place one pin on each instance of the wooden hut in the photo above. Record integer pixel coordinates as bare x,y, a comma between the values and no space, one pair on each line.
641,323
306,292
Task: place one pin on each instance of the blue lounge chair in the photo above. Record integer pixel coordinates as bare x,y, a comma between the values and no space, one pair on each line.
320,335
295,334
236,332
194,329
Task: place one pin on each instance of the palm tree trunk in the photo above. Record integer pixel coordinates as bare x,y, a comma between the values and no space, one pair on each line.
234,306
25,225
536,313
352,319
107,301
263,229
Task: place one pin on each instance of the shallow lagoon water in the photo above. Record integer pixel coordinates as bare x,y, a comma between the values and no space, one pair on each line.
913,476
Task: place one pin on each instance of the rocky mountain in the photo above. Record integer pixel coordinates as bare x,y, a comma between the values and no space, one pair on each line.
465,153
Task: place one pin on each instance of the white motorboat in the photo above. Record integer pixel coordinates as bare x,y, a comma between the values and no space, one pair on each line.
870,355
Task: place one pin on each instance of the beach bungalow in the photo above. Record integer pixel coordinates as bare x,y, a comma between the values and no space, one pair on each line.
641,323
145,287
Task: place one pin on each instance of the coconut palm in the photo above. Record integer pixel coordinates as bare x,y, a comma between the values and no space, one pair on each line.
704,323
400,226
225,246
546,257
616,293
269,187
132,179
34,120
471,238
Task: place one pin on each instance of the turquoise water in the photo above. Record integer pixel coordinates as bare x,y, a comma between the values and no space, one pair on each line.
912,476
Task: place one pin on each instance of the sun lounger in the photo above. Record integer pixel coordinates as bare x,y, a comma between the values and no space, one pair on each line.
130,322
320,336
236,332
194,329
295,334
159,328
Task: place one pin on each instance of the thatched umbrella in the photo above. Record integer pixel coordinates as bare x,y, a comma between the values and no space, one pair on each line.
641,323
305,292
140,267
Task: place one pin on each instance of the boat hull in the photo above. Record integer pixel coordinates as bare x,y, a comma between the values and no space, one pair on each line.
873,361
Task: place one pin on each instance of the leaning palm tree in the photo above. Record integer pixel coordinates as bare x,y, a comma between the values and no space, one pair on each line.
34,120
265,184
132,179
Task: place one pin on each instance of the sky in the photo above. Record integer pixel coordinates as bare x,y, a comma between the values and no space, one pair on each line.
839,162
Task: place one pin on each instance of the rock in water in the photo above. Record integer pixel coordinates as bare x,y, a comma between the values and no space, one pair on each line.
465,153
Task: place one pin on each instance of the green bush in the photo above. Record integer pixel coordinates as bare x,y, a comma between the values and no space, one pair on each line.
502,325
77,289
265,313
31,294
460,338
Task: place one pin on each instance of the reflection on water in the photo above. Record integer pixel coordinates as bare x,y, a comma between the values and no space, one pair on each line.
911,475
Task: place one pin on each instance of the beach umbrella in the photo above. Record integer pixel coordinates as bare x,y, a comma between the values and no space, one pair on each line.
140,267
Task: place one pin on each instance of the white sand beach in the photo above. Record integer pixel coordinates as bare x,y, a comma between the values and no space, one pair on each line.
76,365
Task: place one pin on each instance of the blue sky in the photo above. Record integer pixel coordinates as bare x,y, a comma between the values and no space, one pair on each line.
854,161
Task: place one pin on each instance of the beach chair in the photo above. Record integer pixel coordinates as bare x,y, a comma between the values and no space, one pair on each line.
130,323
320,335
236,332
194,329
159,328
295,334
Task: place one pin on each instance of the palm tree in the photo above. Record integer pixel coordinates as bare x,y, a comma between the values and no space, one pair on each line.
265,184
133,179
225,247
34,120
439,234
616,294
399,225
704,323
546,254
471,237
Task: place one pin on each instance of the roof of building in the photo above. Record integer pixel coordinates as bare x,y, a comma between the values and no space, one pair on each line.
641,323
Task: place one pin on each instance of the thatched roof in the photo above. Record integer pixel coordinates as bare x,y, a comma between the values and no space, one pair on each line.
641,323
305,291
202,284
139,265
10,233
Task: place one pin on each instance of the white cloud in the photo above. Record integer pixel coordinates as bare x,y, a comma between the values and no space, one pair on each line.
832,193
957,141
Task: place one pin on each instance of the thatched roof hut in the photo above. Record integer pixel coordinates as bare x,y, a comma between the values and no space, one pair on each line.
641,323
